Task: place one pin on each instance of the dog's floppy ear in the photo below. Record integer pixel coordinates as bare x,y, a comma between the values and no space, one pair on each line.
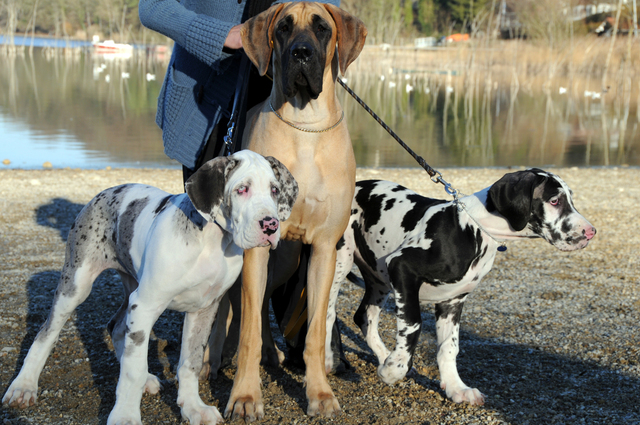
256,34
205,188
351,35
512,195
288,188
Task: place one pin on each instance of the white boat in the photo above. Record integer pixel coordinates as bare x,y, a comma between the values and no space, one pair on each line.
111,48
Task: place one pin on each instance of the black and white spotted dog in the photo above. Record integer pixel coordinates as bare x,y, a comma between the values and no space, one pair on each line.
431,250
179,252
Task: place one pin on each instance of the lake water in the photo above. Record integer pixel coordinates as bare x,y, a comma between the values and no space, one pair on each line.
78,109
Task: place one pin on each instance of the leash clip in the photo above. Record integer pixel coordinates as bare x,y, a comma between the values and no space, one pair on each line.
228,139
437,178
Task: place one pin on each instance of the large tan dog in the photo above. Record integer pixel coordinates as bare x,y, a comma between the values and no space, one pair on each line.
301,125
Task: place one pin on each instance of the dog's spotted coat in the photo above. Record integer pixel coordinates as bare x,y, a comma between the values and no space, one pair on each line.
431,251
181,252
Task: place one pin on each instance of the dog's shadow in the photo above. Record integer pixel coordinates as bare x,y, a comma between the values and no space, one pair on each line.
67,363
59,214
526,384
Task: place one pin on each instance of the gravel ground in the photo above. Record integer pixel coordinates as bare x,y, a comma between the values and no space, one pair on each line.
549,337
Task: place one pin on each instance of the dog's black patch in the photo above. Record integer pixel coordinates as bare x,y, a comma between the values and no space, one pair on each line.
162,205
420,206
361,243
371,204
446,260
137,337
389,204
451,308
340,243
125,232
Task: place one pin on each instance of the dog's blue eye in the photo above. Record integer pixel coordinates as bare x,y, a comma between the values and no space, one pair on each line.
274,190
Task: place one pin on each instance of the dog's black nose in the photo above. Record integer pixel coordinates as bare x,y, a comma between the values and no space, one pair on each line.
302,52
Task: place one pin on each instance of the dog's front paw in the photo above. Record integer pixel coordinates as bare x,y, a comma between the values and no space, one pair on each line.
248,407
198,413
391,372
116,418
21,394
324,404
464,395
153,385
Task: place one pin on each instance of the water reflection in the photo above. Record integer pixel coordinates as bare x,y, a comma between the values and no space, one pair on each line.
99,109
484,118
83,110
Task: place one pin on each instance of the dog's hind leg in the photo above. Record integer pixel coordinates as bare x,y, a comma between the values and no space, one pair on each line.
117,328
141,315
447,326
367,317
332,344
74,287
409,323
196,329
117,325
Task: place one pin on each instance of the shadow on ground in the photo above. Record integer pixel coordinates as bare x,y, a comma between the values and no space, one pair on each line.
526,385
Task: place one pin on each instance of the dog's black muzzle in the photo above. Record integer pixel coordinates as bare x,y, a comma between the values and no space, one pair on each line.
302,68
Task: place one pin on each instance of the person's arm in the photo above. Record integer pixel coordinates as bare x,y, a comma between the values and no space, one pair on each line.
201,35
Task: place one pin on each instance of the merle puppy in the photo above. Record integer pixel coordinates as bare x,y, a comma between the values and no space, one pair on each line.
180,252
430,250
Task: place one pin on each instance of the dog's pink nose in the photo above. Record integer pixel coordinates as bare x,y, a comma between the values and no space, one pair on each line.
269,225
589,232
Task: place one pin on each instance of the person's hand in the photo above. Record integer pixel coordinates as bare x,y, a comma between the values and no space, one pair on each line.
233,40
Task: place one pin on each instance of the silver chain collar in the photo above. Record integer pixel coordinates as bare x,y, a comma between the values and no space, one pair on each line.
306,129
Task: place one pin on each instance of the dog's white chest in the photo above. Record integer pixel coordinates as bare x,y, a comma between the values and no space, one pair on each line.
208,281
198,297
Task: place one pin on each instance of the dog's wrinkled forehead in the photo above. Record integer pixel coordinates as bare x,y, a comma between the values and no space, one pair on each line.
251,168
304,15
304,19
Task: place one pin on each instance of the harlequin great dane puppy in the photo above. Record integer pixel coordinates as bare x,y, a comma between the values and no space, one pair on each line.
301,123
430,250
180,252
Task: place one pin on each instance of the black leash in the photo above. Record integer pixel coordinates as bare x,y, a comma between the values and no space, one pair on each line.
435,175
240,98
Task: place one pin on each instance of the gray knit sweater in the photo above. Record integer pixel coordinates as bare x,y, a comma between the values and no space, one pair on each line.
201,78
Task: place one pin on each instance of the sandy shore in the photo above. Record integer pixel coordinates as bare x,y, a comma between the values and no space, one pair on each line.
549,337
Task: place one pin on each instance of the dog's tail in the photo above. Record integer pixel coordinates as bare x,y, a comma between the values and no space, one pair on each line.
353,278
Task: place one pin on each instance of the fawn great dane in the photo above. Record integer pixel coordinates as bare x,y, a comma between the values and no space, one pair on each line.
305,45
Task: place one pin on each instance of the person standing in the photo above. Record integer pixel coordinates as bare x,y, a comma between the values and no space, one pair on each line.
197,95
